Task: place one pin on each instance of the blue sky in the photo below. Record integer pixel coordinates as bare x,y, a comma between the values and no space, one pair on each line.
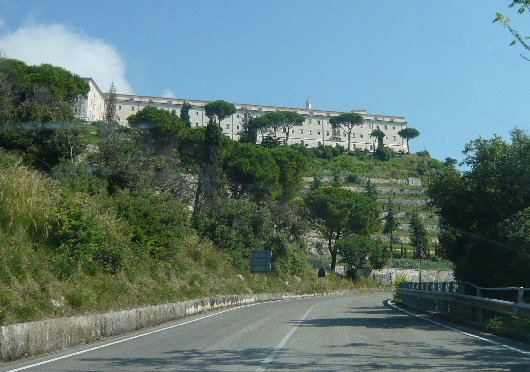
441,64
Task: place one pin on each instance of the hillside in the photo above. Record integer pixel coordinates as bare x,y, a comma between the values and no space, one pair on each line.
398,180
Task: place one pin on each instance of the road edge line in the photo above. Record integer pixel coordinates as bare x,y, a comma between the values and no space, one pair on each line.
487,340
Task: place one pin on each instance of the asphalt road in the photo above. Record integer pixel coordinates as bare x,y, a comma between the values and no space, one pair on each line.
359,332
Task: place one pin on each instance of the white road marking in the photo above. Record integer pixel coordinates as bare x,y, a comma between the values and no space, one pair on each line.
282,343
460,331
132,338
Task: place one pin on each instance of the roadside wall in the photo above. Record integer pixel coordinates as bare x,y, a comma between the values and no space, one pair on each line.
389,276
27,339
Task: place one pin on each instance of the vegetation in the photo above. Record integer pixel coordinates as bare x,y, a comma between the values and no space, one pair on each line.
522,7
408,134
484,212
346,122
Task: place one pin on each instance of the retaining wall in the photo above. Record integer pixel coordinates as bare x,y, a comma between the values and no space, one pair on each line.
28,339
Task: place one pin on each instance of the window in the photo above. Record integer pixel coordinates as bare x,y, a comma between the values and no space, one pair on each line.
283,130
196,124
237,127
301,131
386,127
394,138
119,107
378,127
394,128
362,136
227,126
327,133
292,130
318,122
196,112
318,133
310,132
132,108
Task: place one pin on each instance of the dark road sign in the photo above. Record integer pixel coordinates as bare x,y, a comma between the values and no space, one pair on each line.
260,262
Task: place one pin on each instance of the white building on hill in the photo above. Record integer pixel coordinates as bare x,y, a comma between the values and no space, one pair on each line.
315,131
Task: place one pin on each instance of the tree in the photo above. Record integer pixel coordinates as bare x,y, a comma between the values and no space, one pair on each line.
407,134
292,119
370,190
418,234
450,162
380,135
219,109
390,222
346,122
524,5
110,105
157,121
482,212
276,120
293,166
337,212
361,252
209,183
255,125
251,169
185,114
317,182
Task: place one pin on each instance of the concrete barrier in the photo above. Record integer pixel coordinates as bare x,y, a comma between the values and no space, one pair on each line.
44,336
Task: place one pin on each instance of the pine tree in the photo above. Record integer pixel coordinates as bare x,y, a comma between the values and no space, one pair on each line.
390,223
418,233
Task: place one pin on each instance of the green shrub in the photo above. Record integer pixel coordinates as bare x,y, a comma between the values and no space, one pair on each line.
28,201
157,220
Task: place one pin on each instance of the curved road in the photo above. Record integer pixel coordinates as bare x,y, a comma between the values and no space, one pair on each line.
359,332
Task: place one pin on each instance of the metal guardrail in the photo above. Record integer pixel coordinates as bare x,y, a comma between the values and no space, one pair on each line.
450,299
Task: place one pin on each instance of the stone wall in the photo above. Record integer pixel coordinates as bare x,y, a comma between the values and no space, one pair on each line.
28,339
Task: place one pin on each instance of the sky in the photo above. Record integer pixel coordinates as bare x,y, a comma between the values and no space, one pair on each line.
443,65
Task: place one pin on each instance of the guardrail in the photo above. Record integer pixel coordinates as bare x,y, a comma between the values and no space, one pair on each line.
454,300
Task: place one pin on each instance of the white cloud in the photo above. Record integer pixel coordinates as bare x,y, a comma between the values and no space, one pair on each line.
76,52
168,93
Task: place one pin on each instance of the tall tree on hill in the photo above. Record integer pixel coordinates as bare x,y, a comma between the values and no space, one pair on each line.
338,212
292,119
380,135
276,120
209,183
219,110
185,114
370,190
293,166
110,105
407,134
346,122
418,234
390,222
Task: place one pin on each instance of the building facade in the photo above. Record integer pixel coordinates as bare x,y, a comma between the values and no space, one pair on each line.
315,131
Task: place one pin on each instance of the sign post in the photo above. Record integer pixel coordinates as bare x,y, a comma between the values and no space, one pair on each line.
421,254
260,263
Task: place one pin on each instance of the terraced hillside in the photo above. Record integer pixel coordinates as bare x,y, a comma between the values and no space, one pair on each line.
399,180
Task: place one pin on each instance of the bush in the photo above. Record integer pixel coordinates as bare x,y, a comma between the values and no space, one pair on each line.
157,220
28,201
359,252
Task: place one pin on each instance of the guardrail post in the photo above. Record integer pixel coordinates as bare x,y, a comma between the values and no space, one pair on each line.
445,304
479,310
520,301
463,308
452,304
